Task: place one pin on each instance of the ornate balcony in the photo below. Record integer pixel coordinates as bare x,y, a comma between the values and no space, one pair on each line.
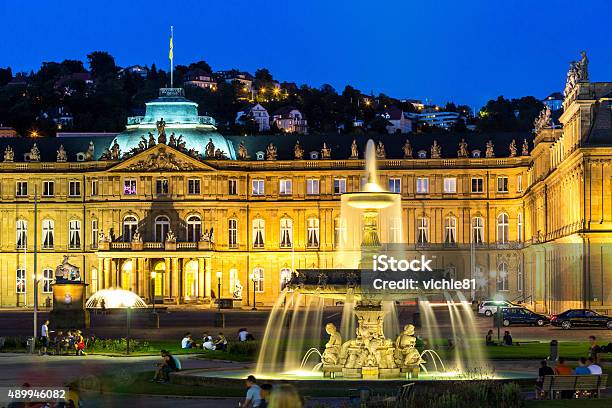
156,246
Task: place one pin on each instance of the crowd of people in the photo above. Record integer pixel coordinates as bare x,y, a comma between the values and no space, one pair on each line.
208,342
58,343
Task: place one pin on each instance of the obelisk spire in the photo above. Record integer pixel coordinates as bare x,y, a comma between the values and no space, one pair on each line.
171,57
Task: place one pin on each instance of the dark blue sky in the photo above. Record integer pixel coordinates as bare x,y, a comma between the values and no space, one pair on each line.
464,51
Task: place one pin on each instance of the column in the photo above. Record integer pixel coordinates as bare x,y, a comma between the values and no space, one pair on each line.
107,273
201,286
176,290
207,277
134,275
167,277
145,278
101,274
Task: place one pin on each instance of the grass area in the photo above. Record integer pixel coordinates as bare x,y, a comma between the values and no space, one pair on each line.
569,349
574,403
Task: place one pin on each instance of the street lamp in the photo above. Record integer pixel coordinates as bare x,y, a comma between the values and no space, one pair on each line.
219,275
254,278
153,275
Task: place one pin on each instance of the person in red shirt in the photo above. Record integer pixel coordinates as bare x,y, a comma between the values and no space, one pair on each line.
561,368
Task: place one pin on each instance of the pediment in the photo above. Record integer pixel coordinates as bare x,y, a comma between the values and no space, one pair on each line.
161,158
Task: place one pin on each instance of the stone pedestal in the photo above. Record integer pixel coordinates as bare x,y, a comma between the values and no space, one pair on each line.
369,373
351,372
411,371
69,306
331,371
388,372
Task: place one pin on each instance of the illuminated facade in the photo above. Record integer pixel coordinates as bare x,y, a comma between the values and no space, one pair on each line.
179,199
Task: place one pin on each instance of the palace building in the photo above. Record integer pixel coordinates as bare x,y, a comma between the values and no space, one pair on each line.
171,208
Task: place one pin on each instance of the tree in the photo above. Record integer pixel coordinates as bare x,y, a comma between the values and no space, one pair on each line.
101,64
6,75
72,66
203,65
379,125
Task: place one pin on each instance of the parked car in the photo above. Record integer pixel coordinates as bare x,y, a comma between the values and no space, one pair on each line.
521,315
488,307
581,318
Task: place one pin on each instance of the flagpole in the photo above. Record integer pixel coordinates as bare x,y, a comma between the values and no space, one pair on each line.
171,57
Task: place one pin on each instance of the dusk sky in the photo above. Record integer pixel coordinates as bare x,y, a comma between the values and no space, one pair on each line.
467,52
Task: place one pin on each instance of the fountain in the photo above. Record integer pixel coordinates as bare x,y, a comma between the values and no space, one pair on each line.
115,299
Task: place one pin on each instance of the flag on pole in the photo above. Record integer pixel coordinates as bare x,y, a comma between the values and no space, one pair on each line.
170,55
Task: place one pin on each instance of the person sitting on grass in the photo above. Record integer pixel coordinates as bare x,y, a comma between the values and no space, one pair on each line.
582,368
165,367
264,393
208,343
593,367
187,341
507,340
221,342
489,339
561,368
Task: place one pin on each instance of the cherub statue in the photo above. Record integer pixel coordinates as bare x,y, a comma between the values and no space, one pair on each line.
354,150
209,151
325,152
406,353
436,150
512,148
380,150
298,151
89,154
331,355
9,154
243,154
489,151
407,150
463,149
34,153
525,149
271,152
61,155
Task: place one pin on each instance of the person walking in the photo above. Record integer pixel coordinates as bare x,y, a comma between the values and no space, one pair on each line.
44,338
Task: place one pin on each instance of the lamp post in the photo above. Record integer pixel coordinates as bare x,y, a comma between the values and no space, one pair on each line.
219,276
254,278
33,347
153,275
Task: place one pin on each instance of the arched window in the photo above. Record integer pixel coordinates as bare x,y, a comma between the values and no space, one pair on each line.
502,228
22,234
502,277
259,227
194,228
422,231
74,234
450,230
285,277
286,233
312,229
477,230
48,234
130,225
162,226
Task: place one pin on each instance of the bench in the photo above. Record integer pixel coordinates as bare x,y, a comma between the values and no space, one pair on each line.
554,384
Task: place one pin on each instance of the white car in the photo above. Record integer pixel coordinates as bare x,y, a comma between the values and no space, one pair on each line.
488,307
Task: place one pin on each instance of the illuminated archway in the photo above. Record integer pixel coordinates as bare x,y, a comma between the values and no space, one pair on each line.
126,274
191,279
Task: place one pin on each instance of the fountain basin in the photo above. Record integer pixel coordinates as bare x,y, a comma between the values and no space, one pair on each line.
374,200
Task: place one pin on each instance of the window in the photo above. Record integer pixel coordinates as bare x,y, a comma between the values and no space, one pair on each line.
519,183
339,186
477,185
129,187
502,277
47,280
74,188
94,280
232,187
285,187
22,234
395,230
48,189
422,231
94,233
48,232
395,185
519,277
519,227
258,279
161,186
232,227
193,186
130,226
94,187
162,226
258,233
450,230
20,281
286,233
285,278
312,186
422,185
502,184
22,189
258,187
312,229
478,230
450,185
74,234
194,228
502,228
339,232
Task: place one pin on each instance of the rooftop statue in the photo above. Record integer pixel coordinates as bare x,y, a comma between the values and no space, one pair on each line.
543,120
271,152
9,154
436,150
525,149
407,150
380,151
115,151
142,144
61,155
219,154
151,141
67,272
172,142
463,149
161,130
513,148
89,154
578,71
243,153
181,143
209,151
298,151
489,151
354,150
34,153
325,152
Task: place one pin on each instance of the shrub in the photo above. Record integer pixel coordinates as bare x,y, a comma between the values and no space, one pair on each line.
119,345
244,348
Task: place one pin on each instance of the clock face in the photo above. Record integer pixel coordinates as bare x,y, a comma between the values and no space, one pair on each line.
68,299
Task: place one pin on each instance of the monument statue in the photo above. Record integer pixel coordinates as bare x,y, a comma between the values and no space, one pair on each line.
298,151
243,154
406,354
89,154
161,130
237,289
543,120
142,144
407,150
9,154
151,141
170,237
61,155
181,143
525,149
34,153
66,272
512,148
578,71
331,355
325,152
463,149
115,151
172,142
354,150
436,150
137,237
209,151
489,151
380,151
271,152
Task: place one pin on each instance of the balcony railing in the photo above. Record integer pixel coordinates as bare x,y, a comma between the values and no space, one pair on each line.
134,120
